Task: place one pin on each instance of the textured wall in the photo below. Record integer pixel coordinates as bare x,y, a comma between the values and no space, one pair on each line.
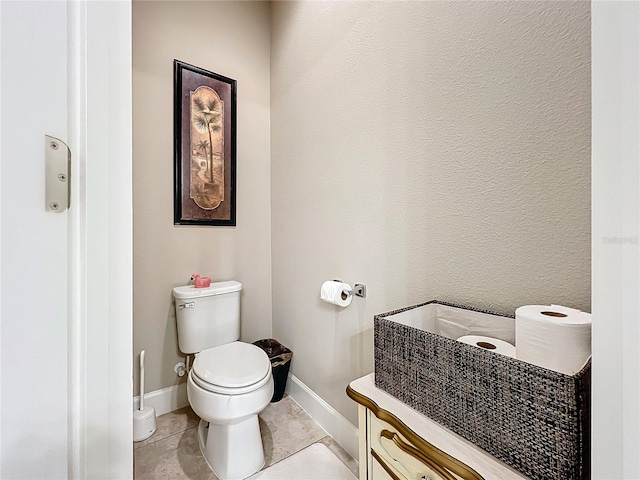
203,34
428,150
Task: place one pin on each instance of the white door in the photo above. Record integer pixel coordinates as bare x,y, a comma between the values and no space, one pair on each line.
615,267
34,244
65,296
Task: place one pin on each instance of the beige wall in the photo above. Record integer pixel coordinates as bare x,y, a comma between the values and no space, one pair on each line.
430,150
232,39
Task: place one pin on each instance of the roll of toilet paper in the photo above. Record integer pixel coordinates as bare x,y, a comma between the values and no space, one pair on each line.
554,337
334,292
494,345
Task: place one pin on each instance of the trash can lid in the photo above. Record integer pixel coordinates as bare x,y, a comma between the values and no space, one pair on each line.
232,365
272,347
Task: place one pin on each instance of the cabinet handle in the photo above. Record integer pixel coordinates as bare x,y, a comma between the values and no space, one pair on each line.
417,454
384,465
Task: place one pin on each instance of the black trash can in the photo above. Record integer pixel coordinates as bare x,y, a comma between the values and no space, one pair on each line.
280,357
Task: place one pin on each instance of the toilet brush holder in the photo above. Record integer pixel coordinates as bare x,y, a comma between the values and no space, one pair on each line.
144,424
144,419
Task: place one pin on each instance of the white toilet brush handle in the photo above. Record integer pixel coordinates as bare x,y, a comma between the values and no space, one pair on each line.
142,380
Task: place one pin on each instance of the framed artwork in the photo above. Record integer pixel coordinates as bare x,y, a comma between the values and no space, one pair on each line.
204,140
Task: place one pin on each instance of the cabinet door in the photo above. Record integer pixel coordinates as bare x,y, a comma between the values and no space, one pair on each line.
383,471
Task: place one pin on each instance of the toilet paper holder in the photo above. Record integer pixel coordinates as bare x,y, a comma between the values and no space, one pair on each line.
359,290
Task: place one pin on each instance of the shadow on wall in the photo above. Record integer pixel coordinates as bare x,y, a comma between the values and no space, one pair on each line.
170,344
362,343
353,343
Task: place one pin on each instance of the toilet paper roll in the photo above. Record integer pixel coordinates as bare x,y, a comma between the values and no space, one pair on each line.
494,345
554,337
334,292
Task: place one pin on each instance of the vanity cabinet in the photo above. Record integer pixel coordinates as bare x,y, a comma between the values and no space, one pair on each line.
398,443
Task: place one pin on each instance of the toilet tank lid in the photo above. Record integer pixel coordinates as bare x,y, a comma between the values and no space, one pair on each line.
218,288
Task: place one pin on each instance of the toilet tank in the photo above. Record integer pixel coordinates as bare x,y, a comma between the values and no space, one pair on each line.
207,317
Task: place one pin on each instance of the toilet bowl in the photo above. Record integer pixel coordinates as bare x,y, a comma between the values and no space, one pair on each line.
227,387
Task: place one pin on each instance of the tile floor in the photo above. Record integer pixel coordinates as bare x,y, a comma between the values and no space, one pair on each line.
172,452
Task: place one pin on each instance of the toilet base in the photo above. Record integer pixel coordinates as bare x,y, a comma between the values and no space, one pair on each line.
233,452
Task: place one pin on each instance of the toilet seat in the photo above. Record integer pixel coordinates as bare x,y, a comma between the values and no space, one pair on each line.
231,369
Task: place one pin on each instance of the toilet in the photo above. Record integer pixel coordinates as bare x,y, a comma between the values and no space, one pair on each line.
230,382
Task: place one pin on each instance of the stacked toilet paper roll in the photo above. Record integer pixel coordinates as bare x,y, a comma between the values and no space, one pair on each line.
334,292
554,337
491,344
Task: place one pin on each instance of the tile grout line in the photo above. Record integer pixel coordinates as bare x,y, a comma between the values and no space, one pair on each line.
283,459
164,438
293,453
339,457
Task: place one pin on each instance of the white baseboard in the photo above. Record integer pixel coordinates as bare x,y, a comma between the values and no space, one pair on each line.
337,426
165,400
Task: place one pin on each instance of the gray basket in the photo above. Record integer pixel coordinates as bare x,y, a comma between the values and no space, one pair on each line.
535,420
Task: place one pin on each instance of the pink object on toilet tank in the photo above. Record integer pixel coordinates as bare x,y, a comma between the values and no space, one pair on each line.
201,282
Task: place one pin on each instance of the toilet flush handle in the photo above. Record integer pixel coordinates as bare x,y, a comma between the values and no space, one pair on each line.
187,305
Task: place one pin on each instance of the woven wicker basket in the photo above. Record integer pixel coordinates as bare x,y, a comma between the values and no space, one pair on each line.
535,420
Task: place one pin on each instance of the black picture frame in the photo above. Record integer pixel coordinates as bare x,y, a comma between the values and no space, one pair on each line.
204,142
